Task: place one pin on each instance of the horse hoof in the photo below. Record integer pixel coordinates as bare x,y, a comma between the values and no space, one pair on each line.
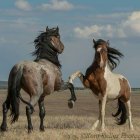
42,129
30,130
3,129
70,103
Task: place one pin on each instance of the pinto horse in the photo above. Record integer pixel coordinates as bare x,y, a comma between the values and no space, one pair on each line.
37,78
106,84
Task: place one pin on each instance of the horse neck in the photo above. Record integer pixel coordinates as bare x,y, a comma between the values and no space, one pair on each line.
105,64
96,69
95,65
46,52
48,64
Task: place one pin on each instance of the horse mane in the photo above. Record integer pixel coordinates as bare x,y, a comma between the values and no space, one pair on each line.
113,57
42,45
113,54
38,43
41,39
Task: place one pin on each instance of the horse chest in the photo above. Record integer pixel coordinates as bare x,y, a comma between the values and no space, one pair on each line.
97,83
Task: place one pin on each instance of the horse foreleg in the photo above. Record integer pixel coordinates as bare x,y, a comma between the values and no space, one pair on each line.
72,100
71,87
103,104
4,122
75,75
98,120
41,113
68,85
71,78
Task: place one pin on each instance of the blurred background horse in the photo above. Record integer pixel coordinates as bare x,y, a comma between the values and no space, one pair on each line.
38,78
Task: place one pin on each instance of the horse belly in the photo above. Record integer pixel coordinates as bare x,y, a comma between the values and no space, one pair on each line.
113,89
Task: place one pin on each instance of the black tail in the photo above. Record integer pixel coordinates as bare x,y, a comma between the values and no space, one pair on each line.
14,91
121,110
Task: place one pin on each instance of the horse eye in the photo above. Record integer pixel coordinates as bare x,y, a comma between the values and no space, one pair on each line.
58,36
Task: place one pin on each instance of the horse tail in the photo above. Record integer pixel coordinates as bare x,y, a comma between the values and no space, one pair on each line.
121,110
14,86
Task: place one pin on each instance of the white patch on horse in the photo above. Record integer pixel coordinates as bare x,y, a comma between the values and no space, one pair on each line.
113,84
99,49
101,62
74,75
52,43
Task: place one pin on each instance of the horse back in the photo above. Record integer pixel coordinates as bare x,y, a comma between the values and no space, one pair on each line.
37,78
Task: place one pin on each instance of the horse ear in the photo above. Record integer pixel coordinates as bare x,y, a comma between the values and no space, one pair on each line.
94,41
57,29
107,43
47,28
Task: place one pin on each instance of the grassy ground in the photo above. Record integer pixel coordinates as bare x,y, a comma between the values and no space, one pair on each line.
63,123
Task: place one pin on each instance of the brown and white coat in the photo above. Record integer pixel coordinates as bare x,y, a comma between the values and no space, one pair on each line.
106,85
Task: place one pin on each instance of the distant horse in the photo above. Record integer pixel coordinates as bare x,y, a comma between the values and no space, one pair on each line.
105,84
38,78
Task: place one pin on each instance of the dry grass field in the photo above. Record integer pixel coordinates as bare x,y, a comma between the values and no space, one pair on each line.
63,123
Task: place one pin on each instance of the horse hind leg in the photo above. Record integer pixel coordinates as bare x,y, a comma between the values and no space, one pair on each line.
6,106
29,111
41,112
128,105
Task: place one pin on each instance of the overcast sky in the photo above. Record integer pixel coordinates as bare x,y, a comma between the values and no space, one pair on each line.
79,21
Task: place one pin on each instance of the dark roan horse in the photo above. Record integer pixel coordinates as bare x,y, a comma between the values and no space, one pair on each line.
37,78
107,85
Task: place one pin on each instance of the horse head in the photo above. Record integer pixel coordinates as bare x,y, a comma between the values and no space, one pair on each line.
54,38
48,45
49,38
104,53
101,48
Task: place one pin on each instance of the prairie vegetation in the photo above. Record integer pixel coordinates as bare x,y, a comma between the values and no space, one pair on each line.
63,123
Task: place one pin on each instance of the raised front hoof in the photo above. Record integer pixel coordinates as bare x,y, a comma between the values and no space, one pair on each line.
71,104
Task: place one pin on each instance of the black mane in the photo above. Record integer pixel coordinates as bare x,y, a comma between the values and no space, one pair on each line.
43,47
113,54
